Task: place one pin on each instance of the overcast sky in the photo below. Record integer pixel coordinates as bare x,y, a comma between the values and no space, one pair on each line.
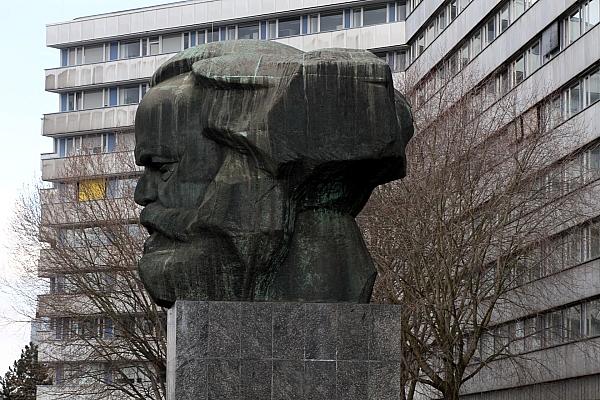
22,27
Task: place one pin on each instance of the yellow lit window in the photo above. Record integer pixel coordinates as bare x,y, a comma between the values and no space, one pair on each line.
91,189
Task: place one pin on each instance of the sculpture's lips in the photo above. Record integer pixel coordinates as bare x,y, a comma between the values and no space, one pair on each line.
157,242
171,224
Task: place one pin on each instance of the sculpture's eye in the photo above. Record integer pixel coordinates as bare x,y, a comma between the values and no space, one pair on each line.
166,170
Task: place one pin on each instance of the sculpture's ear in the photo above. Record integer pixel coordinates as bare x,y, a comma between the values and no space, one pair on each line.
232,72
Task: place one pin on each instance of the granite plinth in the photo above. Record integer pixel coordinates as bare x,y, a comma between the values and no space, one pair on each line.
283,351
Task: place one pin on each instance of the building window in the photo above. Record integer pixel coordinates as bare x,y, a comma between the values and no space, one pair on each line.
69,146
109,142
288,27
64,57
490,30
554,327
420,45
212,35
574,26
93,54
592,14
130,49
202,37
518,8
151,46
129,95
171,43
519,70
534,58
574,103
441,20
231,32
573,323
464,55
93,99
476,42
401,11
75,56
593,318
248,31
91,189
374,15
57,284
332,21
592,88
357,17
59,377
453,9
504,18
112,51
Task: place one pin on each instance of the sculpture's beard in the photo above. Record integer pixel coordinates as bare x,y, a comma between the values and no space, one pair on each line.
184,259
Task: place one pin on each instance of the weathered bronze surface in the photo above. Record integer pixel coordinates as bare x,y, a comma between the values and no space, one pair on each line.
257,158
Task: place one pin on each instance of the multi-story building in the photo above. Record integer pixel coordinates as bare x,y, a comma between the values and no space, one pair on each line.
504,45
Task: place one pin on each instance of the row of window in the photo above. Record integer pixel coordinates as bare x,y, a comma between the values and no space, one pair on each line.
482,36
93,189
577,96
395,59
577,245
70,146
105,188
93,373
544,330
571,174
65,328
266,29
105,97
96,236
101,327
103,280
439,22
543,48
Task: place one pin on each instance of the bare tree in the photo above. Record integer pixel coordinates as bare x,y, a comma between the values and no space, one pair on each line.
99,329
459,239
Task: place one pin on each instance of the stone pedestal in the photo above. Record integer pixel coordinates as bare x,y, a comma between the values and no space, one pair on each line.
283,351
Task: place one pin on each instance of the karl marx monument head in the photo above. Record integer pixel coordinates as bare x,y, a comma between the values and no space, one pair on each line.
257,158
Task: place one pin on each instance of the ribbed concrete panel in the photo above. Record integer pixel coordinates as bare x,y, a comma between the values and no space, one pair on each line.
555,364
369,37
85,166
80,76
98,119
172,17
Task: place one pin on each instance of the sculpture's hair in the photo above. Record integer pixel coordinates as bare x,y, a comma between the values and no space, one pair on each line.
184,61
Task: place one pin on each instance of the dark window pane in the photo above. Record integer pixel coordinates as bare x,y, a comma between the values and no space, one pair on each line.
130,49
248,31
593,88
504,19
332,22
130,95
374,15
593,318
289,27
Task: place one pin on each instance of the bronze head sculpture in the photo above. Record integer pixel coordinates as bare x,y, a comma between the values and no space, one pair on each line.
257,158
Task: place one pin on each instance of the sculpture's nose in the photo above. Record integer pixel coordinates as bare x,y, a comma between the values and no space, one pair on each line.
146,190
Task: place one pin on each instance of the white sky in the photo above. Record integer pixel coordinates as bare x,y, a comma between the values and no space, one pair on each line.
24,58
